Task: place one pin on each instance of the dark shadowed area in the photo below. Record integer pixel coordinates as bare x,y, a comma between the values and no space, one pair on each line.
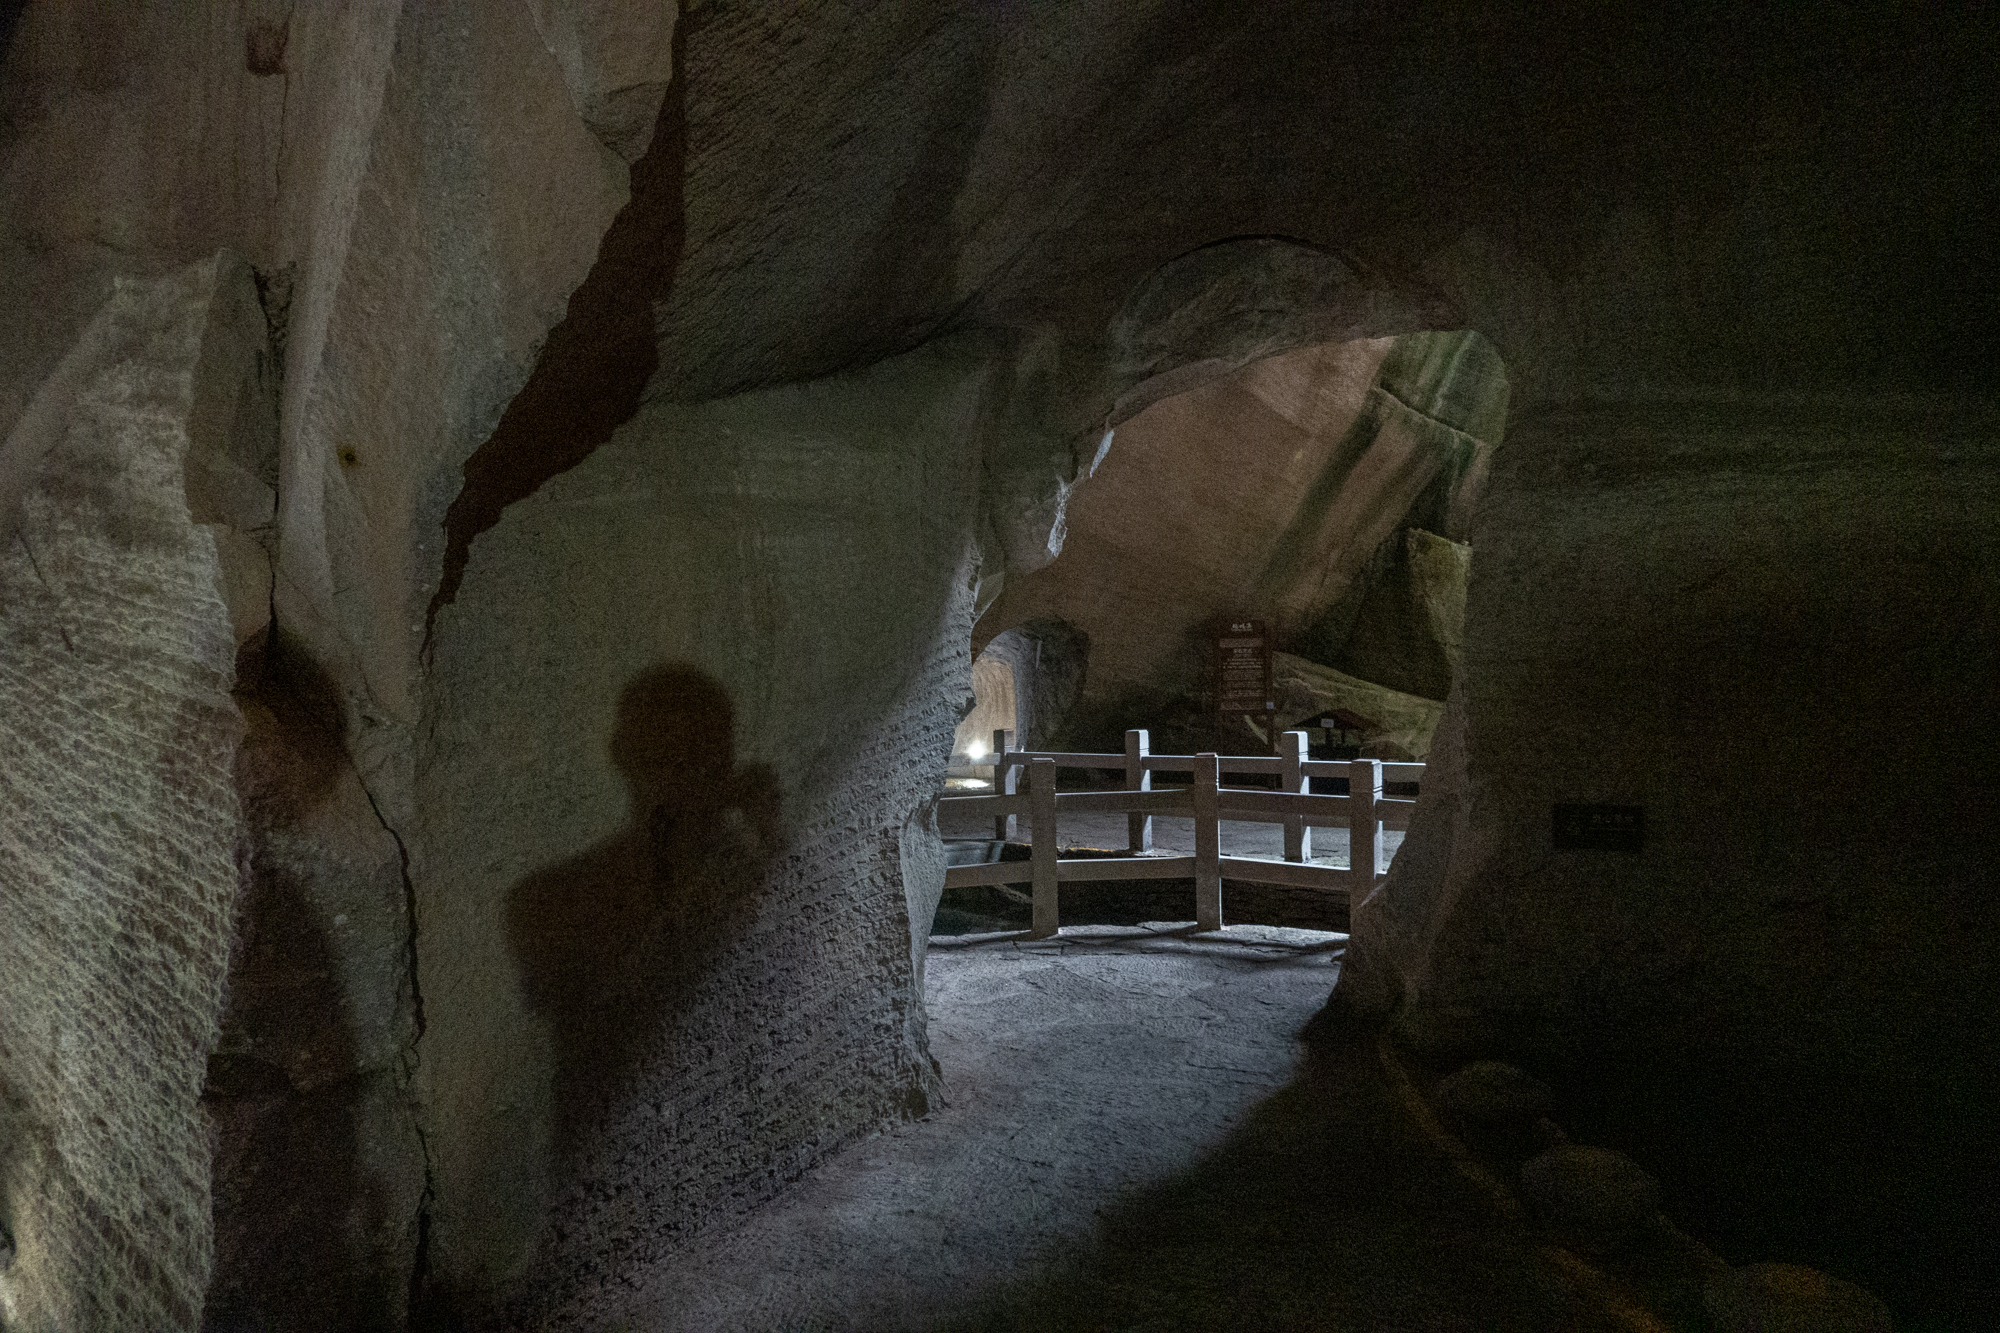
308,1236
610,942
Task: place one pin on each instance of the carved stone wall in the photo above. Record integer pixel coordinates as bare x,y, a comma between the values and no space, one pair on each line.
118,814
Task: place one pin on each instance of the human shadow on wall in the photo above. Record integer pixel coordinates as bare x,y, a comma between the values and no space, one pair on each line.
610,945
306,1236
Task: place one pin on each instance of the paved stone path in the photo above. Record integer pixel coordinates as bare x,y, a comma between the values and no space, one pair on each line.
1133,1139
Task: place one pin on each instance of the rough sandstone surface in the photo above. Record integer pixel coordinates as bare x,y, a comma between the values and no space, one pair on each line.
308,1087
118,815
1593,1199
1389,724
1409,634
1045,662
668,936
1770,626
419,196
1788,1298
1655,638
996,708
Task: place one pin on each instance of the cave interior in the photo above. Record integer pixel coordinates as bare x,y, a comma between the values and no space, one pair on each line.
511,514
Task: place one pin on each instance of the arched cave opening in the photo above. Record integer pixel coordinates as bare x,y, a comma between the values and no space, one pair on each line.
1325,494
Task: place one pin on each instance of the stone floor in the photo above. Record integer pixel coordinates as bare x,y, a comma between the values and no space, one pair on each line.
1133,1139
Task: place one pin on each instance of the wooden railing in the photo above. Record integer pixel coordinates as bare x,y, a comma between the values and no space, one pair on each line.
1364,811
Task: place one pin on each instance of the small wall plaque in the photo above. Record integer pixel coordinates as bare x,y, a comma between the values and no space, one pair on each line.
1606,828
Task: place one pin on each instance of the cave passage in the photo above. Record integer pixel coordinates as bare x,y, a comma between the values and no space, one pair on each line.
1319,499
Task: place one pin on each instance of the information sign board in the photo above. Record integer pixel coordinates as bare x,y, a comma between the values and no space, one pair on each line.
1243,667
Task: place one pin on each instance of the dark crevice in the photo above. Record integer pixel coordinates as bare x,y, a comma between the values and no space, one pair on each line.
596,363
421,1311
409,907
418,1309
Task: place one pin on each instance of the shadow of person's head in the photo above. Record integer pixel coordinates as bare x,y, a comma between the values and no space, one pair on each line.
674,741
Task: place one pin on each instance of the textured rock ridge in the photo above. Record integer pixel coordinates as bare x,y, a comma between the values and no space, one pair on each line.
690,708
1387,723
617,59
421,189
118,813
1409,633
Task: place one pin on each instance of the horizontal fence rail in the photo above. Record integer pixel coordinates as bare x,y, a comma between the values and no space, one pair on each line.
1237,805
1364,811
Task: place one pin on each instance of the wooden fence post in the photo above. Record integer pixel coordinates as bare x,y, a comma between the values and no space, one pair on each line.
1292,753
1364,826
1009,782
1207,844
1138,828
1042,810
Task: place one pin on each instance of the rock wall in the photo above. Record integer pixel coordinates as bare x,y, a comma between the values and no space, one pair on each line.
690,708
994,708
1046,661
1666,638
464,237
1619,199
118,815
1409,631
419,189
1383,723
1772,626
308,1087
